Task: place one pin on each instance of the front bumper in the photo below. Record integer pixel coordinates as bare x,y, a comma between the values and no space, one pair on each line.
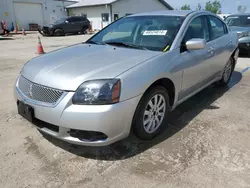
46,31
244,45
112,120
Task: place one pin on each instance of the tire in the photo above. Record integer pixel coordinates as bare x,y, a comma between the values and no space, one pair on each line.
84,30
59,32
227,73
147,124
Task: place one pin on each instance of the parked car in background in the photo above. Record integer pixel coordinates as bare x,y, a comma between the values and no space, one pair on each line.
223,16
126,78
70,25
240,23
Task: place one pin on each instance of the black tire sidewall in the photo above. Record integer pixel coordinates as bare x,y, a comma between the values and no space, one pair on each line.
232,69
58,32
138,127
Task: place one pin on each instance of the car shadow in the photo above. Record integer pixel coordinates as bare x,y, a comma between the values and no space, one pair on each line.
178,119
244,55
6,38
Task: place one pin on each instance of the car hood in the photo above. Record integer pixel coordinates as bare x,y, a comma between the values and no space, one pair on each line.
69,67
239,29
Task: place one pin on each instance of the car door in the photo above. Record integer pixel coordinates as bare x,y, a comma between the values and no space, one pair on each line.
69,25
222,42
196,63
78,22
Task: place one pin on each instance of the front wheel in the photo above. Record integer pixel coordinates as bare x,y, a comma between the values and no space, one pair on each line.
151,113
227,73
59,32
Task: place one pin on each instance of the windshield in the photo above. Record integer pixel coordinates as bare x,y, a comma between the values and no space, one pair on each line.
239,21
143,32
61,20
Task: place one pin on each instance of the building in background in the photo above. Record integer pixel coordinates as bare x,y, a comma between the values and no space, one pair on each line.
25,12
103,12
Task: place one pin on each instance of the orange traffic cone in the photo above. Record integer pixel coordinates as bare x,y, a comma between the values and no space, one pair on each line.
40,47
23,32
91,27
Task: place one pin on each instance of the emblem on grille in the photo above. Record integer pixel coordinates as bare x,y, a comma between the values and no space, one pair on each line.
30,91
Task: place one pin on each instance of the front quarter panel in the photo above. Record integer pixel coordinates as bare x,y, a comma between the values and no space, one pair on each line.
138,79
235,40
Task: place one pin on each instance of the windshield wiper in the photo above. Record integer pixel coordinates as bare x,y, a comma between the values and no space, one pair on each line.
94,42
126,45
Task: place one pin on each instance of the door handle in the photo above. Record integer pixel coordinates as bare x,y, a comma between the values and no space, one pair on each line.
211,50
230,42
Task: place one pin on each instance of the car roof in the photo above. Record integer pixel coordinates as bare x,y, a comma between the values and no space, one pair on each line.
181,13
245,14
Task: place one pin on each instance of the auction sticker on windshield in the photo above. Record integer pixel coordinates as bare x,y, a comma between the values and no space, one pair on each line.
155,32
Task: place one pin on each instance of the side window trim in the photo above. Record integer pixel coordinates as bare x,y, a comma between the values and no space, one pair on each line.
206,18
206,21
225,28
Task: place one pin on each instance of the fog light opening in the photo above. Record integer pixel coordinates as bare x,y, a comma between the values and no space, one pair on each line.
90,136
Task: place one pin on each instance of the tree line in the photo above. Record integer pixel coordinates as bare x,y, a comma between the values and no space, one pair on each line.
214,7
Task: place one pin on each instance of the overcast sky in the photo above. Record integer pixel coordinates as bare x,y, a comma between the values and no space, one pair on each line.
228,6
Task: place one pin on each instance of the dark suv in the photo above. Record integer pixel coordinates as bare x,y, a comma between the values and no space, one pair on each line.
70,25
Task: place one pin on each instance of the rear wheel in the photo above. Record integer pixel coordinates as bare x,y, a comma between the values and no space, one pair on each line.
151,113
84,30
59,32
227,73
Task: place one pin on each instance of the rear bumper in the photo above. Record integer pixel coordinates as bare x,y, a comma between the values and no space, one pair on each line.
112,120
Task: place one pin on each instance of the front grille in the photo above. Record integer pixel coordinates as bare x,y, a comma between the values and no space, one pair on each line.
39,93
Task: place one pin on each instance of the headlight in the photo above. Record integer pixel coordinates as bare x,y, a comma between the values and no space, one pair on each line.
98,92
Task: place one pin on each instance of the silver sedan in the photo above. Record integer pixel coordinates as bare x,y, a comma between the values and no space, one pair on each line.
126,78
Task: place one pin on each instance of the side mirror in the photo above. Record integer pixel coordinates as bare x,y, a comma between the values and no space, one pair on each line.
66,21
196,44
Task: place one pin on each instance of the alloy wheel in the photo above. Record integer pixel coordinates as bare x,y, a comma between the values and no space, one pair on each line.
154,113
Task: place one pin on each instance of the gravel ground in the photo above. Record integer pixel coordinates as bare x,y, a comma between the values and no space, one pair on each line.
206,144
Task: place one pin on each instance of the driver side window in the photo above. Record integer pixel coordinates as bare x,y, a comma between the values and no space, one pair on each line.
198,28
70,20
